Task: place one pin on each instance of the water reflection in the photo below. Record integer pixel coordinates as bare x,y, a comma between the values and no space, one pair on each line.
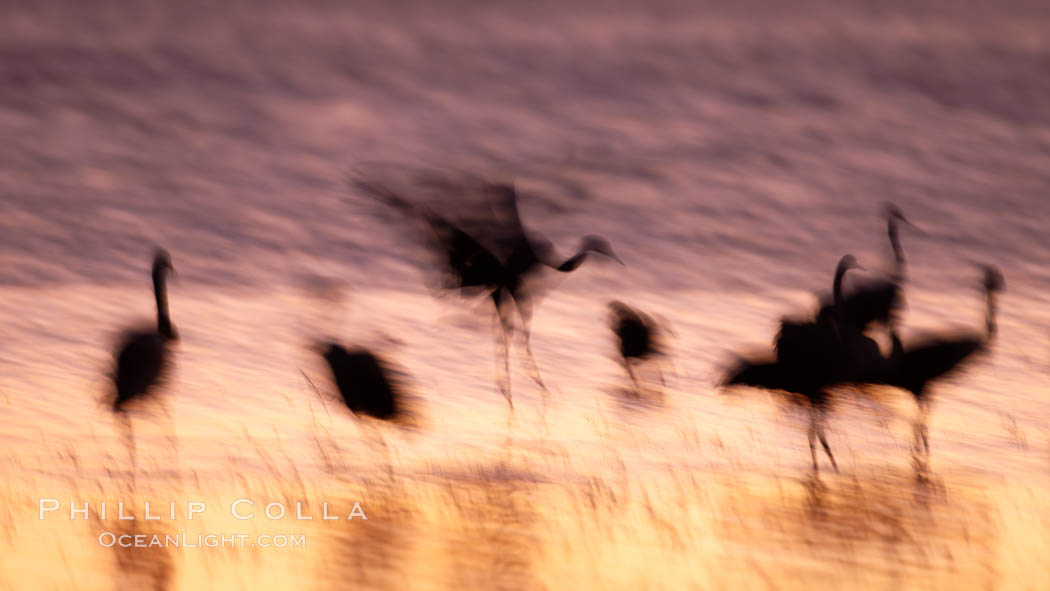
376,553
141,568
881,528
492,540
468,534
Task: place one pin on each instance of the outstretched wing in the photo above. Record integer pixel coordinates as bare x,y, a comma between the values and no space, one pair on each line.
930,357
470,225
759,374
805,345
488,213
467,264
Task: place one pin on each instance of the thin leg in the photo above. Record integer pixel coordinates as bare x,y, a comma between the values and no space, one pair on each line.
921,453
811,434
827,449
634,378
924,432
525,312
534,369
817,424
502,329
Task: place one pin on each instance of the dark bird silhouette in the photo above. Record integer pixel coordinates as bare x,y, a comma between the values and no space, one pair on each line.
928,358
830,346
637,335
144,356
487,250
811,357
364,382
806,387
876,300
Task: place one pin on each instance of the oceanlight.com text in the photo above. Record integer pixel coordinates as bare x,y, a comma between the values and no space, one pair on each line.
183,540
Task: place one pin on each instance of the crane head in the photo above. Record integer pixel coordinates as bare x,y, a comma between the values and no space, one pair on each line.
892,212
162,262
593,243
849,262
993,279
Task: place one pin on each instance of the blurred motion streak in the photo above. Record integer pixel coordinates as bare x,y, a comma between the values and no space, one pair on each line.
488,250
730,152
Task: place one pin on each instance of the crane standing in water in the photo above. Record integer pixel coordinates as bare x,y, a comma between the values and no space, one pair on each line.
637,336
490,252
812,357
930,357
364,382
144,356
830,345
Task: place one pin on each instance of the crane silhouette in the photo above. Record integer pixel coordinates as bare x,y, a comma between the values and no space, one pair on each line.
488,250
144,356
810,358
877,300
930,357
364,382
830,345
637,335
811,389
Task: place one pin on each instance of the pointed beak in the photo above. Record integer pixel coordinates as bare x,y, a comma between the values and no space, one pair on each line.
917,230
907,222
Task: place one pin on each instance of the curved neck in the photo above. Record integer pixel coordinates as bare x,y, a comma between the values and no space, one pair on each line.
573,262
840,272
837,288
898,252
160,291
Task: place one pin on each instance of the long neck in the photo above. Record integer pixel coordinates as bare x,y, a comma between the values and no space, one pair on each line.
898,252
837,288
160,291
573,262
989,316
839,300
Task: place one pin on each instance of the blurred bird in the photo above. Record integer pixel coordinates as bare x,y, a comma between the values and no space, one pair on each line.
874,300
930,357
364,382
144,356
812,357
488,250
638,337
812,388
830,346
